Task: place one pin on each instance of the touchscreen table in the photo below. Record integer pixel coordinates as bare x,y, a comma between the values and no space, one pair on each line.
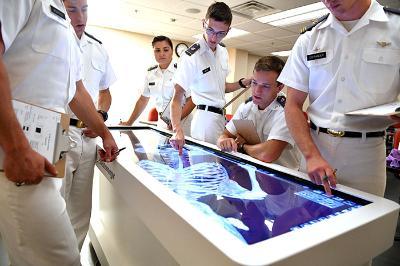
251,202
207,207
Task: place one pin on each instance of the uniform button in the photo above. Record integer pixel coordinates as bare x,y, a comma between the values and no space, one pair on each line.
346,57
339,101
380,58
334,119
342,78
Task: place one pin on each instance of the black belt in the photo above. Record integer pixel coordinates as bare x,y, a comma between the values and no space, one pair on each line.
347,134
211,109
76,123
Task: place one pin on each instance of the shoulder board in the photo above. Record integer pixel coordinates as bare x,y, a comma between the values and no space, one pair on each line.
192,49
281,100
175,65
392,10
152,68
222,44
315,23
249,99
92,37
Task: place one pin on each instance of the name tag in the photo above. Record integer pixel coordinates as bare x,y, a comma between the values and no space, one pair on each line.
152,83
206,70
57,12
316,56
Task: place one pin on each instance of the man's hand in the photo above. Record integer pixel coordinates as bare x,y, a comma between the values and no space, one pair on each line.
87,132
169,127
321,173
110,151
124,123
27,166
247,82
227,144
240,140
177,141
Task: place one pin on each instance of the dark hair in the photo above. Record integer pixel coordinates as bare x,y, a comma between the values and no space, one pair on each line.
161,38
269,63
220,11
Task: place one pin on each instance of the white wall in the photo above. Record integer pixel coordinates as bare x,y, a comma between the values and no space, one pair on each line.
131,54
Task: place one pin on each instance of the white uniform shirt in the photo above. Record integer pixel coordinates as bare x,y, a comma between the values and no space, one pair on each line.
98,73
270,124
356,73
204,73
42,57
159,84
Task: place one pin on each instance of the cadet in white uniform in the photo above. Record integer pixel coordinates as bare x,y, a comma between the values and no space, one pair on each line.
40,64
98,75
158,84
348,61
267,114
203,69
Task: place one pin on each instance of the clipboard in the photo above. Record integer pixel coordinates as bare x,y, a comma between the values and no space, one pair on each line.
46,131
379,110
247,130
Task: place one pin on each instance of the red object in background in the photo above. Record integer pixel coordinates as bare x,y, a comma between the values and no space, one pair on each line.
228,117
153,115
396,138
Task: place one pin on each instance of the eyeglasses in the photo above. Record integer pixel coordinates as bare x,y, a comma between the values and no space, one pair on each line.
210,31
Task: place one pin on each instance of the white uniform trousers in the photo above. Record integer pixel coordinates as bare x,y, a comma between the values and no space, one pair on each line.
34,224
77,184
207,126
360,162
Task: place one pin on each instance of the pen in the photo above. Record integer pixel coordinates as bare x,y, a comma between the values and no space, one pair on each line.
123,148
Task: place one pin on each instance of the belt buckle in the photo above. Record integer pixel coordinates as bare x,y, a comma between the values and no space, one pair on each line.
335,133
80,124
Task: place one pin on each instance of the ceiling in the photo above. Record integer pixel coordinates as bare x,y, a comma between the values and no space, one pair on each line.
170,18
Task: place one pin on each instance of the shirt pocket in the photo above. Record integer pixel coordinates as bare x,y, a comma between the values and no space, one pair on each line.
205,78
98,64
225,68
152,85
379,70
321,71
51,32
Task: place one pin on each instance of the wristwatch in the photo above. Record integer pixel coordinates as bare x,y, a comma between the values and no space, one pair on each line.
241,148
241,83
104,114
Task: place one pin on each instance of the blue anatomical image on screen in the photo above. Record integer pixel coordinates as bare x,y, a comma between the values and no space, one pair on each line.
252,202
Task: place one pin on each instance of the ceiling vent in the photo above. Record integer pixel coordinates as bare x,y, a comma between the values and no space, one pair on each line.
253,9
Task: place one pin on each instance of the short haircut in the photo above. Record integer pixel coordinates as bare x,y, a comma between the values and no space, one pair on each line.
220,11
270,63
161,38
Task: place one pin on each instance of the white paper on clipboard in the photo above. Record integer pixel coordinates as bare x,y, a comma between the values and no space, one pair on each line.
247,130
379,110
46,131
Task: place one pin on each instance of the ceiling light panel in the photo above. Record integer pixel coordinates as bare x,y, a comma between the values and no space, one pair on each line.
295,15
